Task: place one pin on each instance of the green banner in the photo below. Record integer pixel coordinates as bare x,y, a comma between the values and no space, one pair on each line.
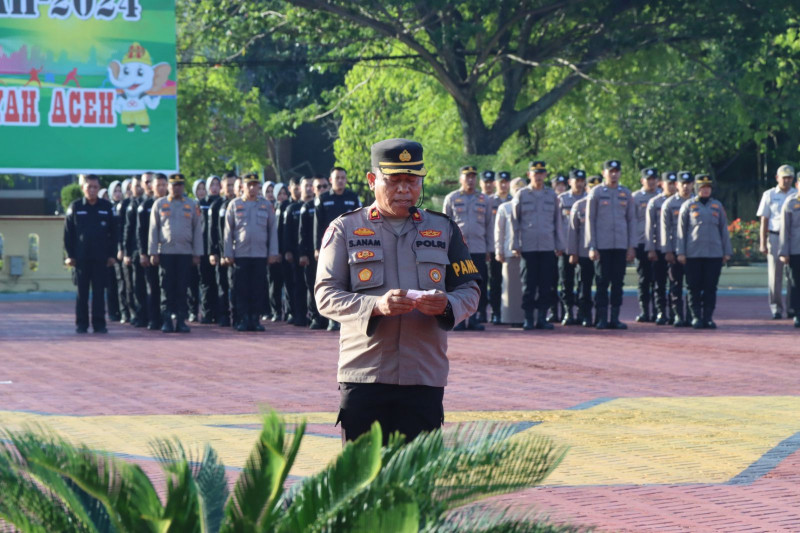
88,86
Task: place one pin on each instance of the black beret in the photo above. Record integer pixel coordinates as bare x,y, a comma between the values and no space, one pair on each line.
488,175
669,176
649,173
398,156
595,180
504,175
685,176
613,164
560,179
577,174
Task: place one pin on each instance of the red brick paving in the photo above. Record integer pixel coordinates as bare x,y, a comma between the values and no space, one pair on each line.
218,371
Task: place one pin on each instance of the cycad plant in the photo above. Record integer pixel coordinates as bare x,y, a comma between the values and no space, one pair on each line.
49,485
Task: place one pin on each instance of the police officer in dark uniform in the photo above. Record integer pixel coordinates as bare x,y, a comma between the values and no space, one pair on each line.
496,267
208,279
142,187
216,224
277,271
126,304
336,201
566,269
159,190
297,290
90,242
305,247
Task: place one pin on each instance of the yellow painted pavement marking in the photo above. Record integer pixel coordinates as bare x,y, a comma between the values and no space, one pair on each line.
623,441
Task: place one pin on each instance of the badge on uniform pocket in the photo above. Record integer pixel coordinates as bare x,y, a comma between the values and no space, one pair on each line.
435,275
365,274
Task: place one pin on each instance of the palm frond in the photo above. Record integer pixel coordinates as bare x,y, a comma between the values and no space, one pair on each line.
376,509
123,489
478,519
320,496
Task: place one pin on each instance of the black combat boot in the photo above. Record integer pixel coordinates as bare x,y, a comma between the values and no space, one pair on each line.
496,320
569,318
255,325
661,319
243,324
602,318
614,323
474,324
180,326
543,321
528,324
167,326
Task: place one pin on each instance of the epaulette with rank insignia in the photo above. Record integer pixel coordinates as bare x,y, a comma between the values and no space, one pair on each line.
350,212
439,213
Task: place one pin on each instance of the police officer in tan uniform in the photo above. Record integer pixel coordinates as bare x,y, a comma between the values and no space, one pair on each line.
669,238
251,241
789,247
644,267
652,245
397,279
579,255
472,211
175,245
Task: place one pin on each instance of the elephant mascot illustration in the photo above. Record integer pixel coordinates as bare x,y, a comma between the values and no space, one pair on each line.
137,80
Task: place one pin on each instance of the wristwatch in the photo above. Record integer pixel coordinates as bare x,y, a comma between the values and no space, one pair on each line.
448,310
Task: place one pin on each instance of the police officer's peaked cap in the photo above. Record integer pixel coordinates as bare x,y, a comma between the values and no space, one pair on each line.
504,175
177,179
595,180
649,173
398,156
703,180
577,174
612,164
487,175
685,176
786,170
469,169
538,166
669,176
560,179
252,178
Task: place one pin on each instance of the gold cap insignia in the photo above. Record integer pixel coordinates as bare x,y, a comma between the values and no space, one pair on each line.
404,156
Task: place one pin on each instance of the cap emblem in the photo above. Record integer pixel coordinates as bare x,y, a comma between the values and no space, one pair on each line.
404,156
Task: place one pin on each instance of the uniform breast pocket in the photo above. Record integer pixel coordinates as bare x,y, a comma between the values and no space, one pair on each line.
431,265
261,218
166,225
366,268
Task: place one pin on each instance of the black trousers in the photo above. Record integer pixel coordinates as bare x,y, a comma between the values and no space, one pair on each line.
292,277
702,277
483,270
193,294
112,293
232,294
139,290
566,274
538,279
610,271
91,274
175,270
126,294
122,298
409,409
794,292
153,295
208,289
675,271
223,293
585,282
495,285
310,275
276,282
660,284
250,294
644,267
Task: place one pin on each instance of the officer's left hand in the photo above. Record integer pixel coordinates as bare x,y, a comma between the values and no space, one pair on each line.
432,304
111,262
70,262
273,259
682,259
127,260
631,255
195,260
559,253
726,258
488,256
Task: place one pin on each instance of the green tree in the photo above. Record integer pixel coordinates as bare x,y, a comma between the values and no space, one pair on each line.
47,484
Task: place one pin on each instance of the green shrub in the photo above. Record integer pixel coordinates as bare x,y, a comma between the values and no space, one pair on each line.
70,193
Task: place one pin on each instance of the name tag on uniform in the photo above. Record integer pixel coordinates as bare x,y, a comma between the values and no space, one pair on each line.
328,203
349,202
605,202
80,212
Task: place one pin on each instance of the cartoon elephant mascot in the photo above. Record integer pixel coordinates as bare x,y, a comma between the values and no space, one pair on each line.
137,79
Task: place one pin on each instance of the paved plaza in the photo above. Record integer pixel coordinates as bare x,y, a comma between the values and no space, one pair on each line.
669,430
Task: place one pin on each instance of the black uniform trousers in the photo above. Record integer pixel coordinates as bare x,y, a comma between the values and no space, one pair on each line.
310,274
299,296
175,270
127,293
409,409
292,275
702,277
232,295
91,274
495,285
538,278
223,293
276,280
483,270
153,296
566,274
585,282
122,297
794,272
610,271
644,267
139,290
112,294
251,286
675,271
193,294
660,284
208,290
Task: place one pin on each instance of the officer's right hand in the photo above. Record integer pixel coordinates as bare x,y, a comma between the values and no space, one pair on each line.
70,262
289,256
594,255
144,260
119,256
763,249
213,259
573,259
682,259
303,261
316,255
228,260
499,258
652,256
515,253
393,303
785,259
127,260
670,257
154,260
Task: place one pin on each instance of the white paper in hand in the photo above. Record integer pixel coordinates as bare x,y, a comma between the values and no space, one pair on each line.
415,294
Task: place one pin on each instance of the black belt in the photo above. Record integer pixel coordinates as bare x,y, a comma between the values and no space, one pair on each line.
775,232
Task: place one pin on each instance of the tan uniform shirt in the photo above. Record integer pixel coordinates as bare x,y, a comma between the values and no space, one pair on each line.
652,228
473,214
640,200
251,229
176,227
537,222
669,222
703,229
362,257
576,244
610,219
